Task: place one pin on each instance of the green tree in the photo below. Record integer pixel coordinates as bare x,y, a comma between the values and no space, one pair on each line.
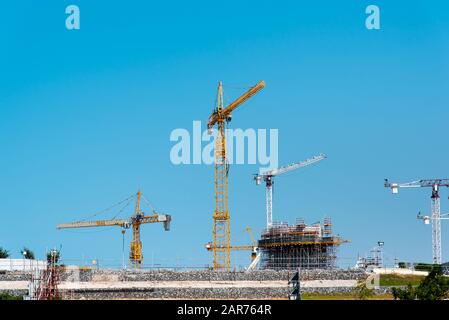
4,253
434,287
27,253
53,256
362,291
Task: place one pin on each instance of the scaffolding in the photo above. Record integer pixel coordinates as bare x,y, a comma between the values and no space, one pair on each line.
44,284
289,247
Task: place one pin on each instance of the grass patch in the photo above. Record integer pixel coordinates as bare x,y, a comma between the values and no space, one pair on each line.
7,296
387,280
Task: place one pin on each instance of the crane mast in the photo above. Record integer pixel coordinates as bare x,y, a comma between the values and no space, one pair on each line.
221,246
135,252
269,200
436,217
268,178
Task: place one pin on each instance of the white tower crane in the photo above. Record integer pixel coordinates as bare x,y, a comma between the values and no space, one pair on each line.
270,174
436,216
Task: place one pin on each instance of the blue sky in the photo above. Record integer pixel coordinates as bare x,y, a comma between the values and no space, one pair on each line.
86,115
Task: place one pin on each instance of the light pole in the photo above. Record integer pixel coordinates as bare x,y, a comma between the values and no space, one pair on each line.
24,253
123,248
152,260
380,244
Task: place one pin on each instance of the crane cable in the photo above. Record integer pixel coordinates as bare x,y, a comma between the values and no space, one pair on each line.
149,204
227,101
102,211
123,208
109,208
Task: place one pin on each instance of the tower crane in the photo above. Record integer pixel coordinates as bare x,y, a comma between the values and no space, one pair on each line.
435,217
268,178
221,246
134,222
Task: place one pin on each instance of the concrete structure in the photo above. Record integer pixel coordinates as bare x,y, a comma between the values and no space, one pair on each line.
22,264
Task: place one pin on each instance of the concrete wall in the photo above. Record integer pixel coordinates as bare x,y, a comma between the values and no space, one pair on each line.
21,264
204,275
198,275
399,271
73,274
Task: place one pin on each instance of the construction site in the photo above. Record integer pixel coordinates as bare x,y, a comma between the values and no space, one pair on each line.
204,150
279,252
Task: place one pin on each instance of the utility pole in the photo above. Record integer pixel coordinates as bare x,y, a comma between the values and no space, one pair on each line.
123,249
380,245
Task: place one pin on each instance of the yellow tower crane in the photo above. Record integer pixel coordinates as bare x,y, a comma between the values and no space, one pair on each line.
135,221
221,245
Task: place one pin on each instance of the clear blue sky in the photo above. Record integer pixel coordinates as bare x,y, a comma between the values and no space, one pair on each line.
85,118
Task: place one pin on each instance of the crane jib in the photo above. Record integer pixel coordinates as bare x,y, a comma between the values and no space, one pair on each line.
215,117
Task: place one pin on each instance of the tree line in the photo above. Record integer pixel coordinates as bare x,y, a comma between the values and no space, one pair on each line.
25,252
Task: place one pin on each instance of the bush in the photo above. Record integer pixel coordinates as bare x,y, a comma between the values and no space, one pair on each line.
7,296
404,294
427,267
362,291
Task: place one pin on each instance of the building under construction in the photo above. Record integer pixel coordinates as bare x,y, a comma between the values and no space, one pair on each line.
286,247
